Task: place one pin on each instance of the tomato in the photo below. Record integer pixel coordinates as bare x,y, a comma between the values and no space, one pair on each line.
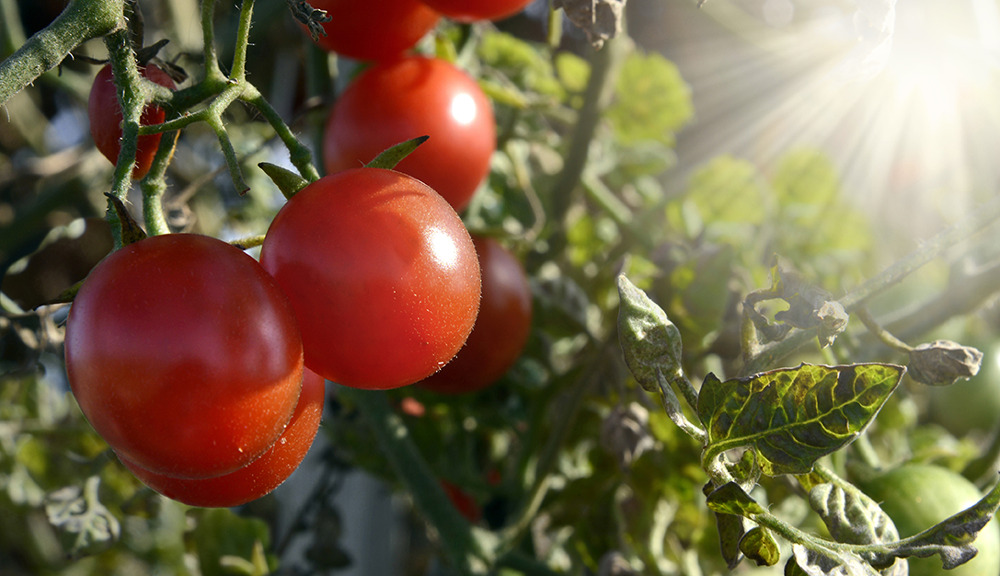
394,102
105,114
918,496
463,502
374,29
501,329
382,275
473,10
261,476
184,355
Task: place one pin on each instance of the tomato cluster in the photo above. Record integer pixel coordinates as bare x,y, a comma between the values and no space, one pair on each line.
203,368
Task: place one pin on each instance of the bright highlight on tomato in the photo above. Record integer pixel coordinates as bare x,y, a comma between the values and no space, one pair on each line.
105,116
382,275
473,10
374,29
184,355
261,476
502,326
411,97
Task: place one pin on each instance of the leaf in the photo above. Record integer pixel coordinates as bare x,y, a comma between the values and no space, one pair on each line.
221,536
84,523
760,546
830,563
851,516
390,157
652,101
792,417
730,498
649,340
950,539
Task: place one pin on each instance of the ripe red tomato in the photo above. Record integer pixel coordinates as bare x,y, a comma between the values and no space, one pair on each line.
473,10
105,115
463,502
374,29
394,102
184,355
259,477
501,329
382,275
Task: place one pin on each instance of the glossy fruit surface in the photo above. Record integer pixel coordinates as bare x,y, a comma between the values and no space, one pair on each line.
184,355
502,326
473,10
397,101
374,29
918,496
105,116
381,272
261,476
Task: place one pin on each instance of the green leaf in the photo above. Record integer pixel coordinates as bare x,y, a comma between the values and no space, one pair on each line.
652,101
649,340
84,523
729,193
760,546
221,536
730,498
819,562
792,417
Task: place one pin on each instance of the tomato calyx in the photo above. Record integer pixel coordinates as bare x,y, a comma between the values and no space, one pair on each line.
390,157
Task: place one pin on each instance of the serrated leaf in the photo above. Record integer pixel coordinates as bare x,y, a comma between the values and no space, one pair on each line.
649,340
86,525
792,417
760,546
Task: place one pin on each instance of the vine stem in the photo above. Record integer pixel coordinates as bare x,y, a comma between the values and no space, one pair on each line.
81,20
978,220
470,550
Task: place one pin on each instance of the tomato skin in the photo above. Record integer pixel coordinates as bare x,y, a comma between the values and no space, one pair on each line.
502,326
416,96
257,478
382,275
375,29
473,10
105,116
918,496
184,355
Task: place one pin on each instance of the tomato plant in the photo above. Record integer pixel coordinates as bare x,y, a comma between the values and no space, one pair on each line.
382,275
502,326
375,30
478,10
260,476
184,355
410,97
105,114
918,496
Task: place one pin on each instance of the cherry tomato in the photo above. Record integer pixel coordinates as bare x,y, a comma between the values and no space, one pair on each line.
105,115
394,102
374,29
261,476
382,275
918,496
473,10
463,502
184,355
501,329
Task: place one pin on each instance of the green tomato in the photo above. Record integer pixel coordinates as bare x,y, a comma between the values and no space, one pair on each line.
918,496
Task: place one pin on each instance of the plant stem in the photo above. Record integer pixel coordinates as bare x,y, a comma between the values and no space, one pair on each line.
468,554
80,21
154,186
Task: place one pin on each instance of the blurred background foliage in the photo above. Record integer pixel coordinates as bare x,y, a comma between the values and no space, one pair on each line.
691,184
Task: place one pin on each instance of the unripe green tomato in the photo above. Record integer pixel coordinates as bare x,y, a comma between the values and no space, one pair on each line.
918,496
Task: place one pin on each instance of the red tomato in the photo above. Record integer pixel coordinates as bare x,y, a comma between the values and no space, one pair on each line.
374,29
382,275
259,477
462,501
394,102
184,355
105,115
501,329
473,10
